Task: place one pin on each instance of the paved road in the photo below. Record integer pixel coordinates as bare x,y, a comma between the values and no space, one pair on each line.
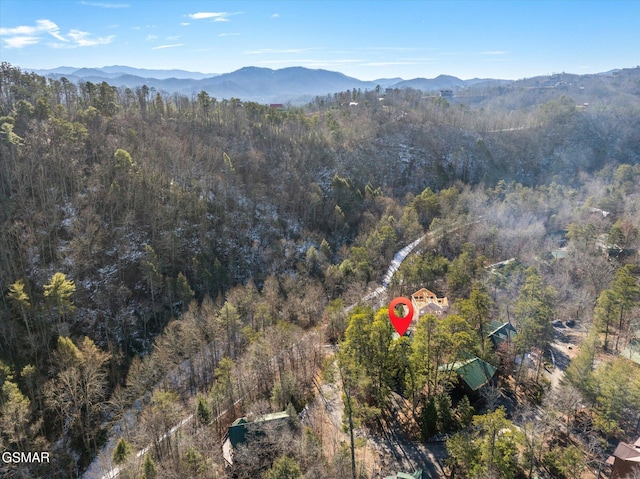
378,292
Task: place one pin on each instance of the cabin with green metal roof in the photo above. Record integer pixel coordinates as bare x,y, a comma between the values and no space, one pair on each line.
474,372
238,432
499,332
405,475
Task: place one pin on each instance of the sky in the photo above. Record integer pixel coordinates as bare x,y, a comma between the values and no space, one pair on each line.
365,39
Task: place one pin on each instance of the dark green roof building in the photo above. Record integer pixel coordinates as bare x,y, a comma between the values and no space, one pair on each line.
500,332
474,371
405,475
237,432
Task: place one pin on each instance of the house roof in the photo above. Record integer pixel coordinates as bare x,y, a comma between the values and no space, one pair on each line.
560,253
406,475
423,297
625,459
474,371
628,452
273,416
431,307
423,294
237,431
499,332
240,420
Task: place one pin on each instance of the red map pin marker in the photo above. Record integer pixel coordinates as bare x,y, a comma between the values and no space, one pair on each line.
401,324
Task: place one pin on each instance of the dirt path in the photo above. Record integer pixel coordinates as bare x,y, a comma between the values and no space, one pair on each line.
397,453
379,455
563,349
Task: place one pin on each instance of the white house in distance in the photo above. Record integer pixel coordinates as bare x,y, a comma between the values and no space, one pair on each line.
426,302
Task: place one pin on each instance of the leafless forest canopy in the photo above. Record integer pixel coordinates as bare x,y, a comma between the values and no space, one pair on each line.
162,255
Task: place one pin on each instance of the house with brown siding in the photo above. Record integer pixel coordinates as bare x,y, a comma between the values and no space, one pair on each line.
426,302
625,460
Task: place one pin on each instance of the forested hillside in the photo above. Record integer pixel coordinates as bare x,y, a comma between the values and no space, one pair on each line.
140,230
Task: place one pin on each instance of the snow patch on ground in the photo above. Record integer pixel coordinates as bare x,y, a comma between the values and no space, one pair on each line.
70,216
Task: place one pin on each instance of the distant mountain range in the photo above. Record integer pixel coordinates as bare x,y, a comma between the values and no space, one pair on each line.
119,70
294,84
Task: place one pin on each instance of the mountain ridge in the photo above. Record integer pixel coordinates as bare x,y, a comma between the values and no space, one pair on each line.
295,84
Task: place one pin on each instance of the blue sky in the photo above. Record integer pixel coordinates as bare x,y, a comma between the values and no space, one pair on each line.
364,39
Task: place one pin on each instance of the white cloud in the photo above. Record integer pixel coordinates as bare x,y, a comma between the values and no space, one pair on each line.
494,52
216,16
161,47
203,15
41,26
52,29
275,15
21,30
228,34
20,42
85,39
25,35
185,24
151,38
